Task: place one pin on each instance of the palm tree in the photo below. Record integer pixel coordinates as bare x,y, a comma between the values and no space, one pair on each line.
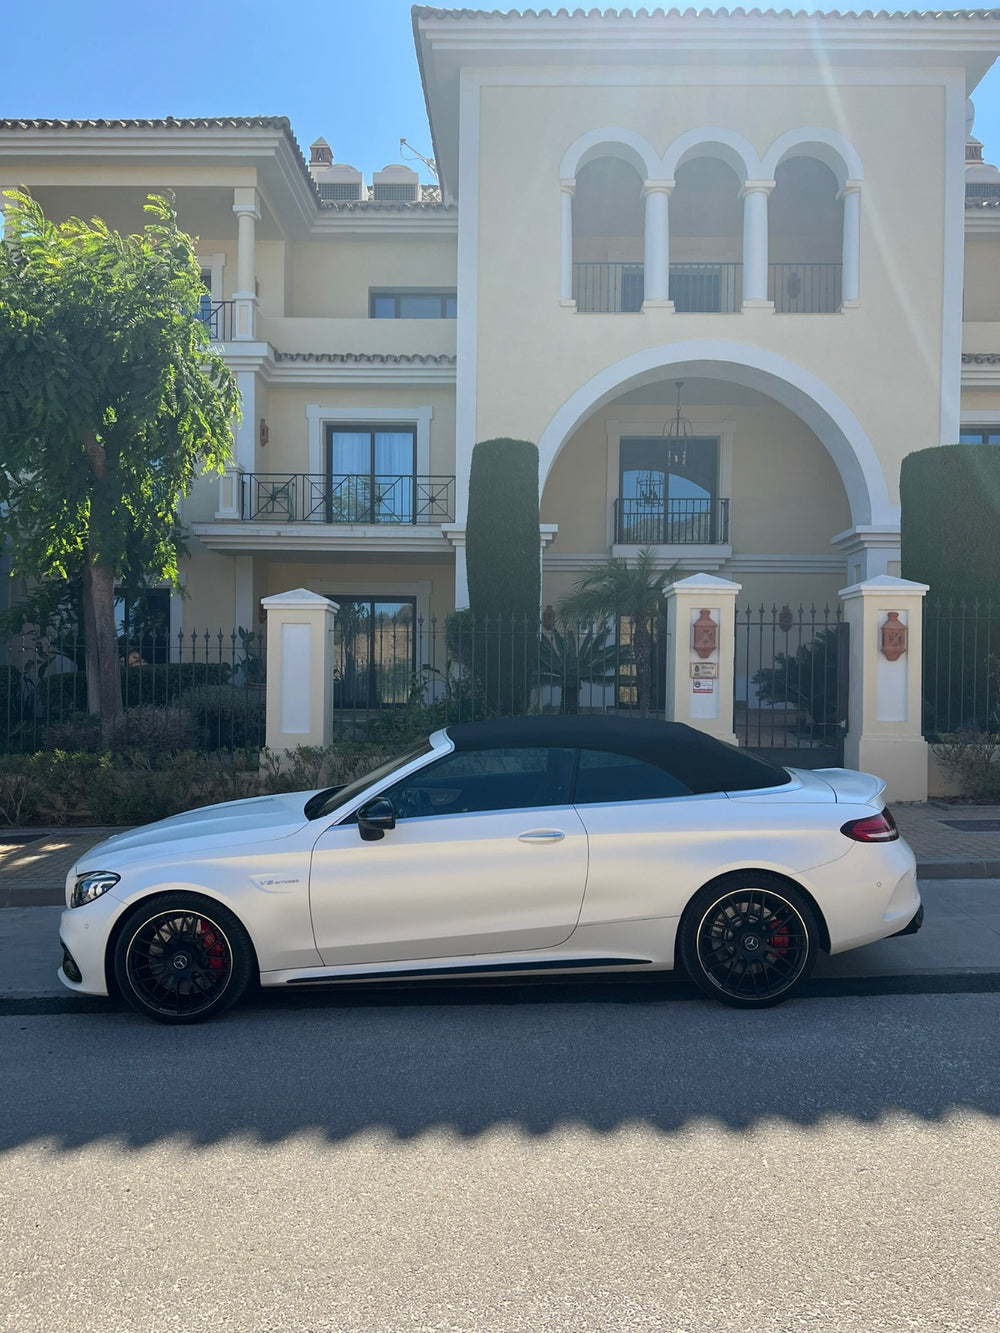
616,590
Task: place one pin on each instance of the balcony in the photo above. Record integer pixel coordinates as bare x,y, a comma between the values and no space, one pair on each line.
674,523
708,288
302,497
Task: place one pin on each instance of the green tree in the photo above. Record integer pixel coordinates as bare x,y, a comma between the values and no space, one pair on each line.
111,402
615,590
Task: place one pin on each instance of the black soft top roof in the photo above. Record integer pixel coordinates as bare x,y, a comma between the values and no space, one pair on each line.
700,762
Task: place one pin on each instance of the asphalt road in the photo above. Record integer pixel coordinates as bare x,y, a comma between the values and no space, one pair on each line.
512,1162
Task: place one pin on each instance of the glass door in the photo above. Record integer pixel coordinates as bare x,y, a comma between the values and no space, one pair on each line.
375,649
372,473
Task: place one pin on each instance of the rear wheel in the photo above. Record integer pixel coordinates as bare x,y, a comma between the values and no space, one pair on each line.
183,959
749,940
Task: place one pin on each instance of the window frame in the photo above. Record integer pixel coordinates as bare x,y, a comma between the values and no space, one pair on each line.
397,294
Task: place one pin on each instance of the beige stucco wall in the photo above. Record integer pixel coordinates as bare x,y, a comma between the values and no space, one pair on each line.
982,278
897,131
332,276
286,415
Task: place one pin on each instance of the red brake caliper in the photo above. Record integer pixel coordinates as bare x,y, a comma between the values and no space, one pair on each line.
213,946
778,939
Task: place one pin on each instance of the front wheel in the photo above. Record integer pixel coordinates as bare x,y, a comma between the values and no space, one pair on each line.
749,940
182,959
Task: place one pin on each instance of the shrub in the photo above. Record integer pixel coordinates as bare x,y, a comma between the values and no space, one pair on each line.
148,727
165,682
502,550
59,695
228,716
971,757
949,503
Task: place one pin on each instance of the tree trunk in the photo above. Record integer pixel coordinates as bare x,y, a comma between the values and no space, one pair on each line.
104,686
642,648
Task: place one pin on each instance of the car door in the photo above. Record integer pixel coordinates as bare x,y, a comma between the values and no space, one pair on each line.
651,841
487,856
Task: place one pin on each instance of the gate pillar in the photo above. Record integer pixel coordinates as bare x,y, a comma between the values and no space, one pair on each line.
884,732
299,669
701,654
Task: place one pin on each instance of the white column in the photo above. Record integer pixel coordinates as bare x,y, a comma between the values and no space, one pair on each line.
567,189
455,532
701,681
755,195
851,270
299,669
656,248
884,732
247,210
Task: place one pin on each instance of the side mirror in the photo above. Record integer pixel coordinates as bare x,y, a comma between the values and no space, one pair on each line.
374,818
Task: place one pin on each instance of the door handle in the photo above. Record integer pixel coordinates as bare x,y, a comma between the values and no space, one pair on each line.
542,835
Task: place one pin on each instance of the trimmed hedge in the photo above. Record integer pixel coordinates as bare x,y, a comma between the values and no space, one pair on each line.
502,542
950,501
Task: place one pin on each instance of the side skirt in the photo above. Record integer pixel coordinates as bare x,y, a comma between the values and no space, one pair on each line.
470,970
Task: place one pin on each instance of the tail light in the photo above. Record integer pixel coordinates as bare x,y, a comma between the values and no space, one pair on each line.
873,828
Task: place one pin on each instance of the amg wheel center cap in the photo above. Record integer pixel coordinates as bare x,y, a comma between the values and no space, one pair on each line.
751,943
180,961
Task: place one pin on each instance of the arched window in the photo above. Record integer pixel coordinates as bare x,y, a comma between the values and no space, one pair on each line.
608,236
705,236
805,238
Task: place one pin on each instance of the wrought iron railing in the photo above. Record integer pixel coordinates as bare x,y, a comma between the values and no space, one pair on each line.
708,288
302,497
219,318
676,523
806,289
616,288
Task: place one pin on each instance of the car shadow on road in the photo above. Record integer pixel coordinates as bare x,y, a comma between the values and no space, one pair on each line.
469,1059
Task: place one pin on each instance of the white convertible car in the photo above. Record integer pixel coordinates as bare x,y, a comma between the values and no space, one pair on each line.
519,848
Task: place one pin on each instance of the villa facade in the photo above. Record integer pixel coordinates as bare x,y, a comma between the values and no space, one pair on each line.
726,270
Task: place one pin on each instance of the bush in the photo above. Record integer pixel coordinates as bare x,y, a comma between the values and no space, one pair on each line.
971,757
165,682
228,717
60,695
148,727
949,501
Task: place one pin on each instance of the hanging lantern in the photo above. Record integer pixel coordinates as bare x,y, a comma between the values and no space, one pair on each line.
893,644
677,431
705,634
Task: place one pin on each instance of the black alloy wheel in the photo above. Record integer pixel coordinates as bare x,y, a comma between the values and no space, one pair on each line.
183,959
749,941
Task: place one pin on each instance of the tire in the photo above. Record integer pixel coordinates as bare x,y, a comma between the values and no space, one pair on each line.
749,940
182,959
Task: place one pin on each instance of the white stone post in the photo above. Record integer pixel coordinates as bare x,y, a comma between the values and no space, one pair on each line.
299,669
656,245
884,733
755,195
701,679
230,494
850,280
247,210
567,189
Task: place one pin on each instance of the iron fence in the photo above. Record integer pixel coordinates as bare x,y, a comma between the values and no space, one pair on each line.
201,691
706,288
791,683
961,667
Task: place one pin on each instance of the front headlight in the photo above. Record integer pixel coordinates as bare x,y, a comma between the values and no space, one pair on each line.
89,887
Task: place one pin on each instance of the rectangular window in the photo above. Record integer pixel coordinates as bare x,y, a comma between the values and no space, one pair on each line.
668,491
413,303
979,435
371,470
143,624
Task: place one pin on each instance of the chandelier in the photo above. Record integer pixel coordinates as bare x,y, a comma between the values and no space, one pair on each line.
677,430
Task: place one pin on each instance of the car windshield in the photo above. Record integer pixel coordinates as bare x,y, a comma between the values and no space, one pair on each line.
326,802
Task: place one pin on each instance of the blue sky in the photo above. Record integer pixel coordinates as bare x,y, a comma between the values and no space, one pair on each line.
344,69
